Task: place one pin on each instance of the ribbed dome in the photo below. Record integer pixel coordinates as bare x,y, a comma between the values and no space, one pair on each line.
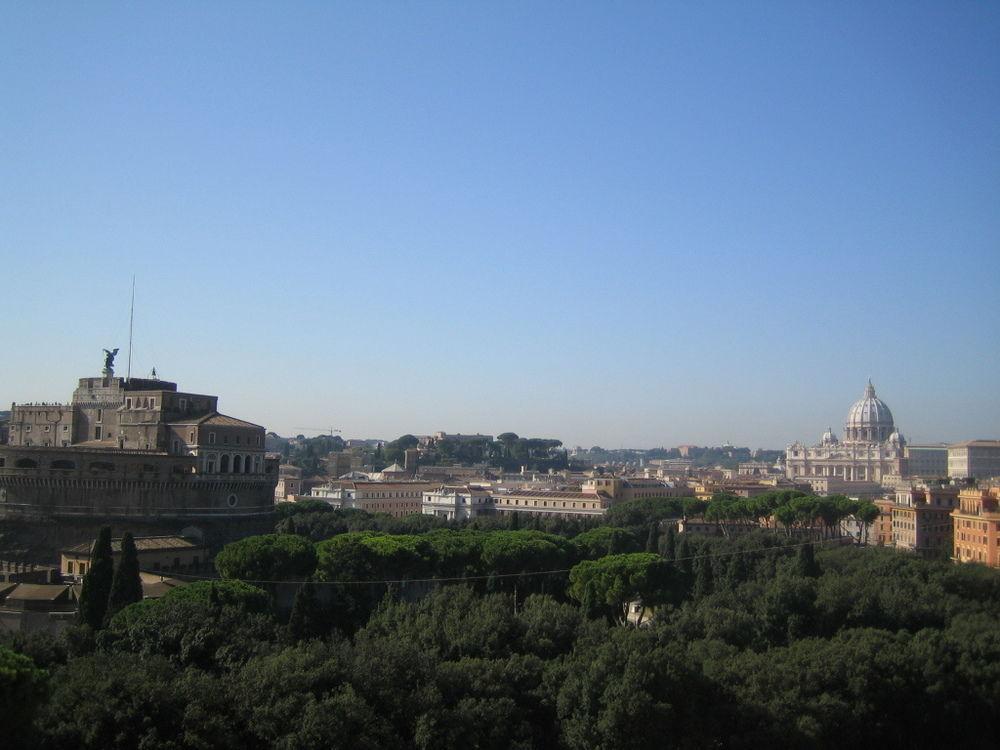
869,419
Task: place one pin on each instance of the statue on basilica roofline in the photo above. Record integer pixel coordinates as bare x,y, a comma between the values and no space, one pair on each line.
109,363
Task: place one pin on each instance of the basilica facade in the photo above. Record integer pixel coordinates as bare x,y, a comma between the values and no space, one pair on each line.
871,449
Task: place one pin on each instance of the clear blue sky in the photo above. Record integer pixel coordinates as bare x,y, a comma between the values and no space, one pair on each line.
618,223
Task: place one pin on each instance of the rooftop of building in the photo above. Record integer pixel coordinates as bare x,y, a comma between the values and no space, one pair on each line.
976,444
560,494
142,544
38,592
215,419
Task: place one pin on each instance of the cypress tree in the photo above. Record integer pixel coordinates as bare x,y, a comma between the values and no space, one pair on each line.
683,556
704,581
668,544
126,586
515,521
97,583
805,563
307,619
653,538
213,598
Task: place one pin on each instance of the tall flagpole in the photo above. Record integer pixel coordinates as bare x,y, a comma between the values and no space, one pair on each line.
131,317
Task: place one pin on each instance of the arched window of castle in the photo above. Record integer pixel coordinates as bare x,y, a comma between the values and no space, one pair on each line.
237,464
224,464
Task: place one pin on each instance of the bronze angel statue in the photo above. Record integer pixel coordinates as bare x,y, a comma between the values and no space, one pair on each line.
109,362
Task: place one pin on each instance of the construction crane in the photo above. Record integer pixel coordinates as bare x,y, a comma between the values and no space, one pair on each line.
324,430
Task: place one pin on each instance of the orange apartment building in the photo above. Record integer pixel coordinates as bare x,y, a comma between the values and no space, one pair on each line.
921,520
881,531
977,526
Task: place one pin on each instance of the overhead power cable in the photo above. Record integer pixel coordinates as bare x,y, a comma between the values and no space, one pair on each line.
456,579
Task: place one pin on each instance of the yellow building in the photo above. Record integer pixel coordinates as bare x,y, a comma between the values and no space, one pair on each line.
155,553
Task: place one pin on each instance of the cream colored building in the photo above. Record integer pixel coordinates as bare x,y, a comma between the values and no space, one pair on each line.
457,502
396,499
872,447
556,503
977,459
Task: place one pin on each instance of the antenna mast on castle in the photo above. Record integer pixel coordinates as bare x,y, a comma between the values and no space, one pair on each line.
131,317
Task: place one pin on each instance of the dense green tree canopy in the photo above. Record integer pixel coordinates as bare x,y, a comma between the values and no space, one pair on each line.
269,557
612,584
751,645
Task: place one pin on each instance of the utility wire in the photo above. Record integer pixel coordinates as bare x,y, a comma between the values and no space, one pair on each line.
495,575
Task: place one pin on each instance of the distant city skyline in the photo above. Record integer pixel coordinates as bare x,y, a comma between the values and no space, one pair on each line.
630,227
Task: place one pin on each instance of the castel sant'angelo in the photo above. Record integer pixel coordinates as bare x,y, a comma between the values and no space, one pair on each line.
136,454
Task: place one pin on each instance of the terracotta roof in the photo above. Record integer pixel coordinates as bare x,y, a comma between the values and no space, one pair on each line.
39,592
221,420
216,420
546,495
142,544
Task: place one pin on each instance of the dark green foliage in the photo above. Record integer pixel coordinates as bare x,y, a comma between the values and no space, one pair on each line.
612,584
805,563
704,578
269,557
22,692
668,544
303,507
308,619
222,593
44,649
118,702
878,648
126,586
604,540
683,559
97,582
641,513
653,538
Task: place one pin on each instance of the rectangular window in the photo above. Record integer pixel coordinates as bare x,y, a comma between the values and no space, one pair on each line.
100,415
152,403
128,403
211,438
98,433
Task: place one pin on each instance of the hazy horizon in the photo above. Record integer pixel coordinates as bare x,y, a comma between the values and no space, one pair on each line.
634,226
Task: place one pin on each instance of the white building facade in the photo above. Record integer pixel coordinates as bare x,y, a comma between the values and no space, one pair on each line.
872,447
